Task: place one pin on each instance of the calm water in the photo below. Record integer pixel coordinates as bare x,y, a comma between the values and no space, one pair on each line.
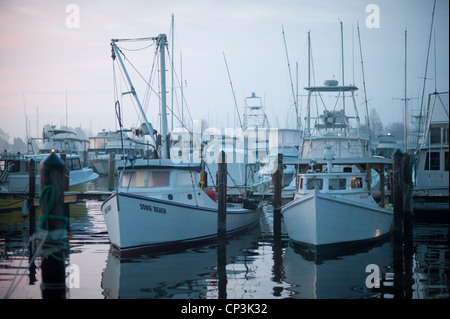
255,268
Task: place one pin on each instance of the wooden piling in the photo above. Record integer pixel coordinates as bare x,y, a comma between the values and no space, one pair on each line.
32,218
397,189
277,178
408,221
31,196
397,197
111,170
408,189
222,197
221,224
63,157
53,221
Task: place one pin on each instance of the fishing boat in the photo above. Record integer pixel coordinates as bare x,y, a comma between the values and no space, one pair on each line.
14,172
332,207
387,145
332,203
333,120
431,185
159,204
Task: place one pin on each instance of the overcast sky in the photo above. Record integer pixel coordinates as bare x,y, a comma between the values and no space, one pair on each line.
51,47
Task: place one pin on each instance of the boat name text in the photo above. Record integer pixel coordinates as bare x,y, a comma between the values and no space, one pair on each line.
107,209
152,208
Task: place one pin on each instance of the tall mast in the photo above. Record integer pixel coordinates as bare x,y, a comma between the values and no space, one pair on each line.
297,119
364,83
405,131
162,40
342,62
171,100
309,84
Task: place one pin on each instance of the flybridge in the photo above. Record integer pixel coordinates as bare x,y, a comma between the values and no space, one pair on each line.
331,88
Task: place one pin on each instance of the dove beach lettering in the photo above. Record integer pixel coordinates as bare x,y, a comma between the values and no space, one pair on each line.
152,208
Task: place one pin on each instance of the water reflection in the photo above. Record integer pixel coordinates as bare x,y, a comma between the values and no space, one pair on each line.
340,277
254,266
194,273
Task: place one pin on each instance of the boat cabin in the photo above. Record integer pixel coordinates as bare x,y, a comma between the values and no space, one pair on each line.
146,178
325,182
171,182
145,174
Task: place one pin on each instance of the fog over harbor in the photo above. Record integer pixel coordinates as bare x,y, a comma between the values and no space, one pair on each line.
56,66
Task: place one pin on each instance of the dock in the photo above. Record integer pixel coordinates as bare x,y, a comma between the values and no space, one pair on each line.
69,196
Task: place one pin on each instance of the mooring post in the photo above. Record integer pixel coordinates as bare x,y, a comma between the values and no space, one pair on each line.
31,196
408,221
32,217
277,178
63,157
408,191
397,197
397,189
221,224
111,170
222,197
53,221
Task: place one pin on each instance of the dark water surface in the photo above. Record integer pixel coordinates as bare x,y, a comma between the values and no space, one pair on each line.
255,267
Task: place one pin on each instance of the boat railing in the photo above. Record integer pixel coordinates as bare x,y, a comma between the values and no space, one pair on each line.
5,172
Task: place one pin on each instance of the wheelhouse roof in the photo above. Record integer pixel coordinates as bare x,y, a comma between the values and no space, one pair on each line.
160,164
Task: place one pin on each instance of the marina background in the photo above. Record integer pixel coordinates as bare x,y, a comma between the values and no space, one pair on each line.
53,72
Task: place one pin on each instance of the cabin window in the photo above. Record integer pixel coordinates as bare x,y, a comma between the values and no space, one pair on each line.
314,183
75,163
158,178
14,165
133,179
337,183
300,183
446,163
184,179
435,135
356,182
432,161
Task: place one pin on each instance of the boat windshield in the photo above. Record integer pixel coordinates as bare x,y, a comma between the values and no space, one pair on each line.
337,183
146,179
356,182
314,183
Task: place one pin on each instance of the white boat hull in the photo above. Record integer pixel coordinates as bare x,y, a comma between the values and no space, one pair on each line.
143,223
321,219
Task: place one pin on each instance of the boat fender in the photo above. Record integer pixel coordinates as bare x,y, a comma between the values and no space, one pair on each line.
25,210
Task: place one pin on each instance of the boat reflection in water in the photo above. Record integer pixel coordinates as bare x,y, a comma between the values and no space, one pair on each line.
335,276
193,273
